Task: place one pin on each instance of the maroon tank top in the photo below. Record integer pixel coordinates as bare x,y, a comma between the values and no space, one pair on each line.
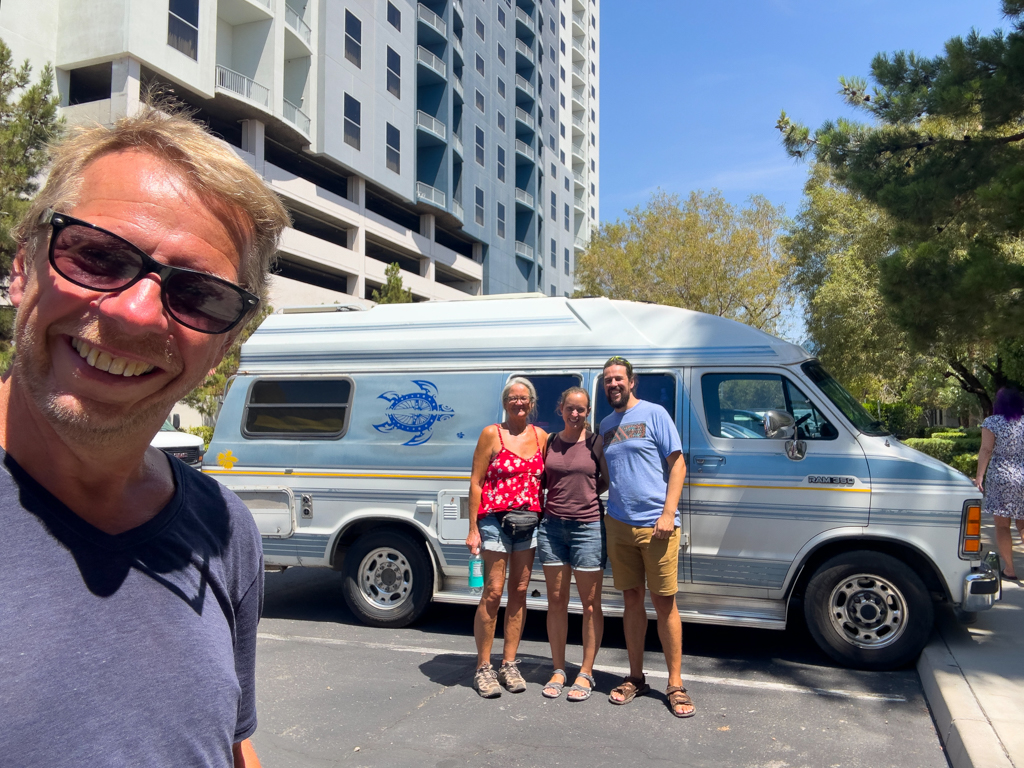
571,478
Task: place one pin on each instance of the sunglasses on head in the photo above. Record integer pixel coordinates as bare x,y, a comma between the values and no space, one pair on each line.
94,258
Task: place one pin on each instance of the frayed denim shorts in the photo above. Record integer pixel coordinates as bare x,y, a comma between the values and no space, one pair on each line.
571,542
495,539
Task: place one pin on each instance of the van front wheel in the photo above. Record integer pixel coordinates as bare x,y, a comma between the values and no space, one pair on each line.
388,578
868,610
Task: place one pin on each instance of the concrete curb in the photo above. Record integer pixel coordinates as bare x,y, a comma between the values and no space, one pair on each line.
966,733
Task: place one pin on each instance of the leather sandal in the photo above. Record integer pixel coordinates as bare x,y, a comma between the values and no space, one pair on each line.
557,687
677,696
629,689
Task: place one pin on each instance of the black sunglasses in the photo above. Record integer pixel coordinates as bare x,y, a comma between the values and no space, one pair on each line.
99,260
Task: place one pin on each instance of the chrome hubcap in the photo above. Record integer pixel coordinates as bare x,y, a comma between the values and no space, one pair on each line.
385,578
868,611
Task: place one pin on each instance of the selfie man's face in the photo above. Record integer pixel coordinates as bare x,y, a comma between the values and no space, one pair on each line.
140,198
617,385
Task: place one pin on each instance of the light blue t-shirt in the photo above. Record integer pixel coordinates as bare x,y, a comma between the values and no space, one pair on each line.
636,444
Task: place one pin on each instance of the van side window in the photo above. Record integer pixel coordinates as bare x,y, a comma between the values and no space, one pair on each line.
657,388
291,408
549,388
735,404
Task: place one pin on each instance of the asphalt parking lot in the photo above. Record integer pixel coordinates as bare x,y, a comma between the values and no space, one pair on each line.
334,692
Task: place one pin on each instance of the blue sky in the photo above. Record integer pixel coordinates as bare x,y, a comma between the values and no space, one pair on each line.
691,90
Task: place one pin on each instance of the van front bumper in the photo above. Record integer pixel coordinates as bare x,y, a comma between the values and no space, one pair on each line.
982,587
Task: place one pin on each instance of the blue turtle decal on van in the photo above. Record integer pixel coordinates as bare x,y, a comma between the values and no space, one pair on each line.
415,412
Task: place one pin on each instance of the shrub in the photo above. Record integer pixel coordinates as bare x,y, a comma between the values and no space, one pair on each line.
966,463
204,432
937,449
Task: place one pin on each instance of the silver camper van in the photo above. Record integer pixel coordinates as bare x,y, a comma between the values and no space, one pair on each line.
350,435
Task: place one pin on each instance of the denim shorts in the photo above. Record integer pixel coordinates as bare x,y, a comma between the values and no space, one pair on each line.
496,540
571,542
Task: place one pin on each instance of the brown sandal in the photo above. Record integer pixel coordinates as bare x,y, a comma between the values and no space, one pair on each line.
630,688
677,696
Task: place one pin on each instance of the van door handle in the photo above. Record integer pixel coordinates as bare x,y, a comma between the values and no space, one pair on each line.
708,461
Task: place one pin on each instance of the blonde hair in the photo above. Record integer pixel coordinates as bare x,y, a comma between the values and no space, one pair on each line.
208,166
529,388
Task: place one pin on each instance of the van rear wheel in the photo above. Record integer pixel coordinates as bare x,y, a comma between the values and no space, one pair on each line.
388,578
868,610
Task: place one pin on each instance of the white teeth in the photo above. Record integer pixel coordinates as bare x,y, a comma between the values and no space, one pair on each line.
118,366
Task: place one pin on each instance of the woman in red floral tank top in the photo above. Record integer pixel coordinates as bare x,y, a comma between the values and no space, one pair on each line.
507,467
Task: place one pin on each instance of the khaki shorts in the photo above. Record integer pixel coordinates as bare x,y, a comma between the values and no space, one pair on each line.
635,553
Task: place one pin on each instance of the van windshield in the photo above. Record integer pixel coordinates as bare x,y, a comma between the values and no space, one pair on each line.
843,400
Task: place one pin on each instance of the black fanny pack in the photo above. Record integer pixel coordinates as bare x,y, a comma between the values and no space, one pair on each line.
518,523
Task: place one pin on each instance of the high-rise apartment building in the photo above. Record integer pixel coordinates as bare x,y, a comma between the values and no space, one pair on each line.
458,138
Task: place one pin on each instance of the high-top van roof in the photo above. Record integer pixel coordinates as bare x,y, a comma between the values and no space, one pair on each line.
506,333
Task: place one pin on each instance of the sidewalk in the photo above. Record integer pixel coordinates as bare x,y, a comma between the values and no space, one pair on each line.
973,678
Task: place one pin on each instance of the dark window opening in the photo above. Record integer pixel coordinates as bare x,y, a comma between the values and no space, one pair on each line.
89,84
318,228
387,255
294,162
304,274
457,244
392,212
352,121
305,408
353,39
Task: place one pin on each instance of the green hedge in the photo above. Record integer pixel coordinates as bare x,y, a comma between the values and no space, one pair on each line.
204,432
956,447
939,449
966,463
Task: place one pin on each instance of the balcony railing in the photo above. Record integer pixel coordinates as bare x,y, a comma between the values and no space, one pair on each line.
294,20
457,144
457,87
182,36
425,57
579,96
457,47
457,6
526,51
522,196
430,123
577,151
579,17
578,178
457,210
526,19
524,250
525,117
296,117
431,19
525,86
580,243
525,150
578,123
579,46
430,194
580,203
238,83
579,71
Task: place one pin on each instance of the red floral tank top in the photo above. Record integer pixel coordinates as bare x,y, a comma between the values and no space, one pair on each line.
512,482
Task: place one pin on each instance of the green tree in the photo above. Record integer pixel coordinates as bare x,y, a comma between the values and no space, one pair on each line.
702,254
392,291
28,122
206,398
943,157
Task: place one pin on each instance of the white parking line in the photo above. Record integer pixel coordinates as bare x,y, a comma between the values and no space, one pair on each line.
762,685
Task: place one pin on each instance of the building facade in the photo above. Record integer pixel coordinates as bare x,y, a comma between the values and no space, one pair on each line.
458,138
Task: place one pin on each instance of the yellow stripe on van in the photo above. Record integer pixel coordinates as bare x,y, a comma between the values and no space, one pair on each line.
263,473
780,487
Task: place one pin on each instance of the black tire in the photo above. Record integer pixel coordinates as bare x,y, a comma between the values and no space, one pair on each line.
388,578
868,610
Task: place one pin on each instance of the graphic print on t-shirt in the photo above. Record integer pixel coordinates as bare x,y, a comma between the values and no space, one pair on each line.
625,432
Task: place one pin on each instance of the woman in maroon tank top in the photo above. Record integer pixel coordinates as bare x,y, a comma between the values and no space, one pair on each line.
571,540
507,468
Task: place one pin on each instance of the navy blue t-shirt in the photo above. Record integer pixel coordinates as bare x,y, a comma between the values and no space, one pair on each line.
130,649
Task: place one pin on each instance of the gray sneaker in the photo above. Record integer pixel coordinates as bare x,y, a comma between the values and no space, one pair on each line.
508,676
485,682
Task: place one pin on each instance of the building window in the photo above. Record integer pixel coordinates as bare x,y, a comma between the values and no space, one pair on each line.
593,68
552,49
551,113
501,122
562,73
592,213
480,146
551,142
501,88
592,189
479,206
561,99
567,261
563,21
353,39
501,53
592,140
183,27
593,45
501,163
554,253
394,148
480,64
551,25
479,28
551,80
562,156
593,167
593,116
566,183
394,73
501,16
352,121
480,101
561,128
501,220
553,291
561,45
394,17
566,217
593,92
554,211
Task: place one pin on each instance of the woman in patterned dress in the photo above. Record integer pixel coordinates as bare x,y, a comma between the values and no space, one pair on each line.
507,467
1001,469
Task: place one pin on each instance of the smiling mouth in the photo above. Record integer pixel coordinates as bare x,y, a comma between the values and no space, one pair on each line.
118,366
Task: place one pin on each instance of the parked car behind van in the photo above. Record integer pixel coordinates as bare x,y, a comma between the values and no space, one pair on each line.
350,436
181,445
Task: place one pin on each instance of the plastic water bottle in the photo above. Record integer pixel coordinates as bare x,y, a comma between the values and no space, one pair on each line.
476,575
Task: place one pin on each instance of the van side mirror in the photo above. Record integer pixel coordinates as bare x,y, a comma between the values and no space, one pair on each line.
176,421
779,425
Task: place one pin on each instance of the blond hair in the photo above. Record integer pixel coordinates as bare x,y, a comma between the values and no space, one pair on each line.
208,166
